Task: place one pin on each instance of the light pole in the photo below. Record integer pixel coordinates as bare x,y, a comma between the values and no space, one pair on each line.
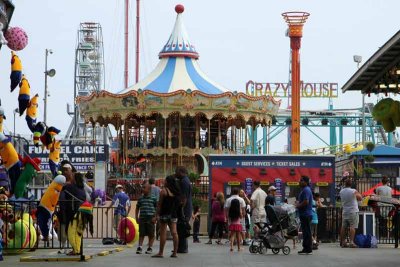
16,111
358,59
50,73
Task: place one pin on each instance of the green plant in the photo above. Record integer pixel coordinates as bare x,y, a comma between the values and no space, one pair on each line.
369,158
193,177
195,190
369,170
370,146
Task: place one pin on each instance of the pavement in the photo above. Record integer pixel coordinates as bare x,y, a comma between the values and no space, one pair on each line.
201,254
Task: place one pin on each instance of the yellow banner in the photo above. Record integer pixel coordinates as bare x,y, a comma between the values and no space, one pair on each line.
292,183
322,184
264,183
233,183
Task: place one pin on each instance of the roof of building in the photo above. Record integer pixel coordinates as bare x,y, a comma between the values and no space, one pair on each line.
379,150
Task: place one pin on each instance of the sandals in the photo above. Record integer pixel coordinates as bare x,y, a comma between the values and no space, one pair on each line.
210,242
353,246
158,256
218,242
174,256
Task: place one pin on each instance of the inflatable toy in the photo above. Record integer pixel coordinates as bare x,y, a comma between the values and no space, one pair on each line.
24,95
27,219
98,197
128,230
48,204
21,236
54,157
44,134
16,71
31,112
31,166
2,118
78,224
10,160
17,38
387,111
2,38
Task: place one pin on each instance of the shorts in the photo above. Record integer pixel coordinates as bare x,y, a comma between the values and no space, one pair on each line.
314,229
350,220
117,219
168,219
146,227
235,227
243,223
258,218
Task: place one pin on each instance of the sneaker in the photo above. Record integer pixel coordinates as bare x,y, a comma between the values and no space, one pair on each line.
139,250
149,251
304,252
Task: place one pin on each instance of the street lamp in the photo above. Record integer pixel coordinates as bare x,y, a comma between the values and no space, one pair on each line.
358,59
16,111
50,73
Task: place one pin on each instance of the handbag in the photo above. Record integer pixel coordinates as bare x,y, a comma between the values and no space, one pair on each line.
184,228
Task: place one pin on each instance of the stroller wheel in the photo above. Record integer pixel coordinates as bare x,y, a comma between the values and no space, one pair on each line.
262,249
275,250
286,250
253,249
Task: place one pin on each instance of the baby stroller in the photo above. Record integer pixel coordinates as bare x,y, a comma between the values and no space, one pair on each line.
281,223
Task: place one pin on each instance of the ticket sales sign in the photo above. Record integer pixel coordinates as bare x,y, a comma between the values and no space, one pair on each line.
83,157
307,89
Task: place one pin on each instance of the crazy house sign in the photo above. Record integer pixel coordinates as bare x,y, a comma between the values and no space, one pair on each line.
83,157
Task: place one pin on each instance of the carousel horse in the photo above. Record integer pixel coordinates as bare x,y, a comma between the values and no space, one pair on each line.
24,95
16,71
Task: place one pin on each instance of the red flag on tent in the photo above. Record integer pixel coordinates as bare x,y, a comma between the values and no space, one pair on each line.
371,191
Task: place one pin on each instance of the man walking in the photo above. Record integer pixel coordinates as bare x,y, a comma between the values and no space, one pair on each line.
187,209
349,198
121,202
258,206
304,206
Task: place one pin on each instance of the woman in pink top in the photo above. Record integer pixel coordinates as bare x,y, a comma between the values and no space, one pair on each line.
218,218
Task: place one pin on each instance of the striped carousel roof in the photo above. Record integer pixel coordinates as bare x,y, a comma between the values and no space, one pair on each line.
178,68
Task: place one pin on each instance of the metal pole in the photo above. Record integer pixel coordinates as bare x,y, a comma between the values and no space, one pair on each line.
137,39
14,135
45,87
126,74
363,120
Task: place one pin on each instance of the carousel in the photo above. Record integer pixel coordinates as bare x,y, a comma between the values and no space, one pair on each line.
177,115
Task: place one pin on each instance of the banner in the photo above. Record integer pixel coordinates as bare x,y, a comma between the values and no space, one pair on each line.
83,157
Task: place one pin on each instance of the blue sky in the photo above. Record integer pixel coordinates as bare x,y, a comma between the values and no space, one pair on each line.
237,41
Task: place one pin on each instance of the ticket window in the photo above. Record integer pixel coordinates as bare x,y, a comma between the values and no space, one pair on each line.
229,186
292,191
325,193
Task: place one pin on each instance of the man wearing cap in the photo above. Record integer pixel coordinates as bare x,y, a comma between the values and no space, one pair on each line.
121,203
304,206
257,204
271,195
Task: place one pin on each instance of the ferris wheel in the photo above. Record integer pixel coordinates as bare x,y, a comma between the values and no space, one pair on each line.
89,70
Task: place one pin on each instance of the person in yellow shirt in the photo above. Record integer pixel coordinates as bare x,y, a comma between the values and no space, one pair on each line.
31,112
24,95
10,160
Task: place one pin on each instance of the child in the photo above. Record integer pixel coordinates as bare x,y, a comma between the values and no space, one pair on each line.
196,223
146,205
235,227
316,203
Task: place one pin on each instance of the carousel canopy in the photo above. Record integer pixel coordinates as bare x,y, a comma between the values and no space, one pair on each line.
178,68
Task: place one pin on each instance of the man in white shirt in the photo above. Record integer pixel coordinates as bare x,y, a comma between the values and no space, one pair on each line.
349,198
235,195
258,204
384,191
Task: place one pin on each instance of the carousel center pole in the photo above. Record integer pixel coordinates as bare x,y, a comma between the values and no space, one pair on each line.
295,21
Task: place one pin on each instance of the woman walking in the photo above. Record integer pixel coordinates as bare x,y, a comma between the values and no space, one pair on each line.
218,218
167,214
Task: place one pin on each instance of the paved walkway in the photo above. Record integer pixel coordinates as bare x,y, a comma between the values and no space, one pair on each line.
219,256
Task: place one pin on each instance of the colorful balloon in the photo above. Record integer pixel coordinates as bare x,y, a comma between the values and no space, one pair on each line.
17,38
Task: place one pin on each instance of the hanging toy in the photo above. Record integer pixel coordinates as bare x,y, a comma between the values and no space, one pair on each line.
77,226
31,112
24,95
2,38
44,134
17,38
31,166
10,160
16,71
54,156
2,118
48,204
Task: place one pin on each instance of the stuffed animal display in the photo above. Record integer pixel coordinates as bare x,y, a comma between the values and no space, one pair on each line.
387,112
17,38
16,71
31,112
44,134
48,204
54,157
10,160
2,118
77,226
31,166
24,95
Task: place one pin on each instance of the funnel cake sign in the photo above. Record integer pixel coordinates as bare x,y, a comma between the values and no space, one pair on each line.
308,90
